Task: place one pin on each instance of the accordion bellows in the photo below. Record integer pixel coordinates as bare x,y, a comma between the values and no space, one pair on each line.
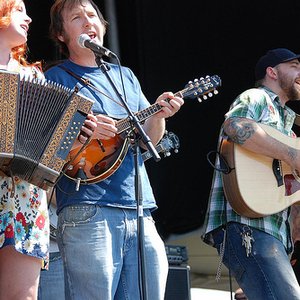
39,123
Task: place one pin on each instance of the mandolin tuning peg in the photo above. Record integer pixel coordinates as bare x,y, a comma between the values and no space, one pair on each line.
176,151
199,99
216,92
210,94
204,97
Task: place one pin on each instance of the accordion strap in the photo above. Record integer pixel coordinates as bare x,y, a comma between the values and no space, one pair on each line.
87,82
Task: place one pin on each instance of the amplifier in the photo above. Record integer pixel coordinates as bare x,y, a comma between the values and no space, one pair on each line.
176,254
178,283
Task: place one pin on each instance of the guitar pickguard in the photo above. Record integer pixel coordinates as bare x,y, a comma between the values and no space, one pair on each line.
291,185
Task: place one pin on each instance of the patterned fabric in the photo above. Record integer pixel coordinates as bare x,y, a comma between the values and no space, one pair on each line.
262,106
24,220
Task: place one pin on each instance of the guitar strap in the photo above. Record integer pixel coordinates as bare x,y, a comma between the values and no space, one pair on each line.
87,82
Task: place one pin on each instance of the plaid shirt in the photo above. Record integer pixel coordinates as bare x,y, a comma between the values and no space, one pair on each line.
262,106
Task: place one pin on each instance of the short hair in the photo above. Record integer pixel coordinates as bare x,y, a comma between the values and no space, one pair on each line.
56,20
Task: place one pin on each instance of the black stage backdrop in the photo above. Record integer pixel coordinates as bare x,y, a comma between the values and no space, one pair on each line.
168,43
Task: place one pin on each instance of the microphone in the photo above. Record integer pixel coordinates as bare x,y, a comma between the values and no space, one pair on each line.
85,41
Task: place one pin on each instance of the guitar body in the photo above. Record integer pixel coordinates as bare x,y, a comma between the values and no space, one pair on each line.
259,185
98,160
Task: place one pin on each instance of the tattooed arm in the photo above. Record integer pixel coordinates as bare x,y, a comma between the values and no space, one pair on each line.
247,133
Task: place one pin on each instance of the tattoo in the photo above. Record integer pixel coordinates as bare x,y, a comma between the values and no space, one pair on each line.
292,152
239,130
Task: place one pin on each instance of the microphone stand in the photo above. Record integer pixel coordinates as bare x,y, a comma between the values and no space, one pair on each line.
138,188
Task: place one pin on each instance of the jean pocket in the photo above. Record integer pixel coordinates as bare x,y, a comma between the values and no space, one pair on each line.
79,214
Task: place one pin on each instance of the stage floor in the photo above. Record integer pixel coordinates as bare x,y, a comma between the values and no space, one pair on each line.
210,294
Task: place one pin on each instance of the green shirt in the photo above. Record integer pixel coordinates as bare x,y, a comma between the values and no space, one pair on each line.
262,106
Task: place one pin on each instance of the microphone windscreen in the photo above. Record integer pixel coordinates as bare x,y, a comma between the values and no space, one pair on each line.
82,39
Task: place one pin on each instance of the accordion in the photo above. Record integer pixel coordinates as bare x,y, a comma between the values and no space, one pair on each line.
39,123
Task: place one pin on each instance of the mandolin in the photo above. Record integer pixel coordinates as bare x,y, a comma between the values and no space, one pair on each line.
99,159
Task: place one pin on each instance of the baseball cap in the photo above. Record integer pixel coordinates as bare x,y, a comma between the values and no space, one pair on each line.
271,59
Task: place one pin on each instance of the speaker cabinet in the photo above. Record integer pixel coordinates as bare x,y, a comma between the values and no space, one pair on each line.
178,283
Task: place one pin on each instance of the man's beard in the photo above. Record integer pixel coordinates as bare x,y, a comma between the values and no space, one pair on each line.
289,88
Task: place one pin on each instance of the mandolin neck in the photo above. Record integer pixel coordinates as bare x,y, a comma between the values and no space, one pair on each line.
142,115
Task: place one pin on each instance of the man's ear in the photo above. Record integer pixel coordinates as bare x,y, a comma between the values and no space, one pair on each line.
271,72
61,38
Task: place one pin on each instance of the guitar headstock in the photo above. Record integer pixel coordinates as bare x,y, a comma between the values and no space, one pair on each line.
202,88
168,142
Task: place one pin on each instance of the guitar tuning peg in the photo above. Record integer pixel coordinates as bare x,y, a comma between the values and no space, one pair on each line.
193,84
168,153
204,97
216,92
210,94
176,151
199,99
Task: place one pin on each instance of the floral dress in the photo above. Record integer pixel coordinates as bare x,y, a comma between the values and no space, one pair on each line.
24,220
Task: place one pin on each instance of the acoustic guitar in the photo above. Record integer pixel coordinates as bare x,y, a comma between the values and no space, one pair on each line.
101,158
257,185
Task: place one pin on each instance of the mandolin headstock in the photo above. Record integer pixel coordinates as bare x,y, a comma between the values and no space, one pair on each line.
202,88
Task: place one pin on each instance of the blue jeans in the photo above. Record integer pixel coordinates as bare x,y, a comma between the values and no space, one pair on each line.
266,273
99,246
51,286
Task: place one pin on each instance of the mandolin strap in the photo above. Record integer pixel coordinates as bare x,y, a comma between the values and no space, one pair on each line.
87,82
